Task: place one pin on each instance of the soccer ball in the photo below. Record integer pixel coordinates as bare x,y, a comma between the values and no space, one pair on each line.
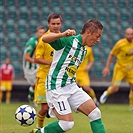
25,115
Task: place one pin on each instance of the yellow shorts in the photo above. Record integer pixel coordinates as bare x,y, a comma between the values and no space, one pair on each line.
121,73
40,91
82,79
6,85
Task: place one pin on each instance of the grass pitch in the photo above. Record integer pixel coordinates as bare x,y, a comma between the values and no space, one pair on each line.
116,118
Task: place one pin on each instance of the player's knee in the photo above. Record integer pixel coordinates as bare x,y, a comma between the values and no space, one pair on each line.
31,89
66,125
95,114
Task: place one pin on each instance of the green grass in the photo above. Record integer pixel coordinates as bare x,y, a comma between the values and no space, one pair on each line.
116,118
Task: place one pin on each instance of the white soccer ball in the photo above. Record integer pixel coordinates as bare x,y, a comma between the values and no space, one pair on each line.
25,115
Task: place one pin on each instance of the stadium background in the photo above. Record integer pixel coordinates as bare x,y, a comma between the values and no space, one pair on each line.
19,19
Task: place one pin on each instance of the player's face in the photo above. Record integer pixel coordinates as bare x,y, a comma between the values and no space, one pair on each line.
40,32
7,61
93,38
55,25
129,35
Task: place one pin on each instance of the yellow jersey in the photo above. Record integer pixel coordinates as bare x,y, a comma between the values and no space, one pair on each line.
45,51
123,50
88,57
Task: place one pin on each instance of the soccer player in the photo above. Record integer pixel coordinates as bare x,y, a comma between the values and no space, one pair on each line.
29,67
43,57
82,76
123,69
7,76
62,93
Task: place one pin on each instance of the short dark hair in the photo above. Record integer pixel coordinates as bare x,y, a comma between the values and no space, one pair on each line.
54,15
93,25
40,27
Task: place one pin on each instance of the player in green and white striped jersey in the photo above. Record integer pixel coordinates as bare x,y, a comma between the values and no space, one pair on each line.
29,67
63,94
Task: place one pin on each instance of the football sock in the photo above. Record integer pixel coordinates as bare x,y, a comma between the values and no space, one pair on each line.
131,99
109,91
1,96
97,126
8,96
96,122
92,94
40,120
31,93
51,128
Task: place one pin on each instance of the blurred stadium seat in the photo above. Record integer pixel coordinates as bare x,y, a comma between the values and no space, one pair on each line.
11,2
2,2
22,26
97,54
18,67
24,13
1,26
100,4
12,39
21,17
98,67
110,3
34,3
3,52
22,2
12,12
10,25
2,13
34,13
15,53
32,26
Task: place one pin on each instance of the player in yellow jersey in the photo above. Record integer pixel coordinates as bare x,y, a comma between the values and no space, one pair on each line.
123,50
43,57
82,76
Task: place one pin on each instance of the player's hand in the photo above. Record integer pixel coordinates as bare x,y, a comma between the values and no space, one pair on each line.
106,71
70,32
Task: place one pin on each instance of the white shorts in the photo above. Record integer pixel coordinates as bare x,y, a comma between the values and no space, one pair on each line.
66,98
31,78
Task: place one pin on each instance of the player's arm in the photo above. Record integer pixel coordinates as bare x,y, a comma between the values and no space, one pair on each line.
106,70
42,61
28,58
54,36
90,64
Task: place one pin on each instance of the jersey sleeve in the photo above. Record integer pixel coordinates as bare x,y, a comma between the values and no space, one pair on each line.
116,49
59,44
40,50
30,46
91,57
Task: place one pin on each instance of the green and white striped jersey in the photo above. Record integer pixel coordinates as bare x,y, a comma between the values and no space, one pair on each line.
30,48
68,55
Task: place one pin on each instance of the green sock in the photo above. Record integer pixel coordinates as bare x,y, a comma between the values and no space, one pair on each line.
97,126
31,93
52,128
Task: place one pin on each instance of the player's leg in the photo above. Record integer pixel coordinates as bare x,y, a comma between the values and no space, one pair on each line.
40,98
1,95
91,93
59,107
82,102
83,81
31,79
31,94
118,75
88,108
8,91
131,99
42,114
2,89
129,79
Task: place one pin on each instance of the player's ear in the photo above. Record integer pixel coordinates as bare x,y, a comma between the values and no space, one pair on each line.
88,32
